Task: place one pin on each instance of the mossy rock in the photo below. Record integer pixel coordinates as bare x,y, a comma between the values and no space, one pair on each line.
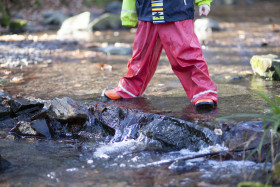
17,25
265,65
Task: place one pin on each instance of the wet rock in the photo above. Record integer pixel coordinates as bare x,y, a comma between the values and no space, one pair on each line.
25,129
4,112
66,109
21,106
53,17
265,66
38,128
106,21
170,132
41,127
177,133
244,135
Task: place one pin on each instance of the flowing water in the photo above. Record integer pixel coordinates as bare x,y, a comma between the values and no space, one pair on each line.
72,69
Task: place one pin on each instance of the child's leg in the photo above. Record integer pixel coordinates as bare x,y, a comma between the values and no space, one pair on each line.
185,55
146,52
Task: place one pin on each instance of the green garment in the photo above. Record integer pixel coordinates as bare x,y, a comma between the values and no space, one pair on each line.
129,15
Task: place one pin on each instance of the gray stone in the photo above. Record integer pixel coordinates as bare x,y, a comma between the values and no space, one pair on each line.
106,21
170,132
244,135
53,17
24,129
76,27
114,50
41,127
66,109
265,65
19,106
4,112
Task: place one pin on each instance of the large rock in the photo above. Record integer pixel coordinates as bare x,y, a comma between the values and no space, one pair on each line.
25,129
244,135
66,109
170,132
106,21
76,27
53,17
4,112
265,65
20,106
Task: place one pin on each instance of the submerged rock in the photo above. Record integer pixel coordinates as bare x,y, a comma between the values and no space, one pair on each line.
265,65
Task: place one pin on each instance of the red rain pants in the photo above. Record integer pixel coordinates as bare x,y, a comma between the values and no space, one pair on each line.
184,53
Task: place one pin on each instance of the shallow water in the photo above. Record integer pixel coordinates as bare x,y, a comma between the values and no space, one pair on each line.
120,164
73,69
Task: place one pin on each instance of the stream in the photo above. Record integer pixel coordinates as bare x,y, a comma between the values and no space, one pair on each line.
38,65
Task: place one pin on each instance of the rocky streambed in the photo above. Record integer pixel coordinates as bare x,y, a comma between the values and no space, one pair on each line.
103,143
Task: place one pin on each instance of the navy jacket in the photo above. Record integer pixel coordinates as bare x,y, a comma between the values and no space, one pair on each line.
174,10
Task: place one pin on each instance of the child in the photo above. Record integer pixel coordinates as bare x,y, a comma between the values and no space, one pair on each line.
166,24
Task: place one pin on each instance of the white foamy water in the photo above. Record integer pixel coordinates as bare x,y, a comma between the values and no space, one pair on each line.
118,148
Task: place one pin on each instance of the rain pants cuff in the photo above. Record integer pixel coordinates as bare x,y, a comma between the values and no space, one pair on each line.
203,2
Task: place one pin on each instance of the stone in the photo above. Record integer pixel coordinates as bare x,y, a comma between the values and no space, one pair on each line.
53,17
116,50
4,112
106,21
170,132
265,65
20,106
244,135
76,27
66,109
41,127
114,8
24,129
